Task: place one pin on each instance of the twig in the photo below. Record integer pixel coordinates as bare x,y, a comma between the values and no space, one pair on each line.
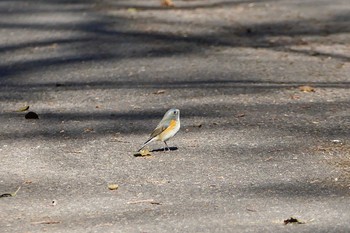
144,201
46,222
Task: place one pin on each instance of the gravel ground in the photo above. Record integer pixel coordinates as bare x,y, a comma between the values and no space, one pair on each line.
253,149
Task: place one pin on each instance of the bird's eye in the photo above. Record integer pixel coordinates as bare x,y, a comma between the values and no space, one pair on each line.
175,112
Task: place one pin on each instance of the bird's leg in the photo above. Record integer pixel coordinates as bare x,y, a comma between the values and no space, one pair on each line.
167,147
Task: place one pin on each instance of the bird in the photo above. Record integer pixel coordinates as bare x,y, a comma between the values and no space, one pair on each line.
166,129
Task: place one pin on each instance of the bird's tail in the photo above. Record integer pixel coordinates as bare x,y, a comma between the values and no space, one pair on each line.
147,142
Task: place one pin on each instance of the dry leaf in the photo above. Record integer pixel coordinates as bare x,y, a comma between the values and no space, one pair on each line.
143,153
113,186
306,89
31,115
87,130
292,220
23,109
159,92
167,3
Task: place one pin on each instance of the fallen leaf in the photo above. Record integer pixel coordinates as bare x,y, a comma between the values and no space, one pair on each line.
143,153
306,89
87,130
167,3
23,109
159,92
292,220
31,115
113,186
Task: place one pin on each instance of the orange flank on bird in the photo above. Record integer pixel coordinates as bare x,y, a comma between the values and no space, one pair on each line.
169,129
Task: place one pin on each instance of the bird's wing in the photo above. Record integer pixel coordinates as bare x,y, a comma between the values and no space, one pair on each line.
160,128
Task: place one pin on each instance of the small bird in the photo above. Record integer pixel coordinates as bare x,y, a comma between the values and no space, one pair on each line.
166,129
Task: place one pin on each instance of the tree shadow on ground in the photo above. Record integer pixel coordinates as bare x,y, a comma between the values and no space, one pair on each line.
103,37
280,117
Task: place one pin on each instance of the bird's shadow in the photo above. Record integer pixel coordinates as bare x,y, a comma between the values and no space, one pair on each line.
164,149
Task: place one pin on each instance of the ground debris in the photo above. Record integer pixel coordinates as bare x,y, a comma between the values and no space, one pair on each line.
167,3
306,89
143,153
251,210
47,222
113,186
294,97
88,130
23,109
292,220
31,115
53,203
151,201
239,115
159,92
10,194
